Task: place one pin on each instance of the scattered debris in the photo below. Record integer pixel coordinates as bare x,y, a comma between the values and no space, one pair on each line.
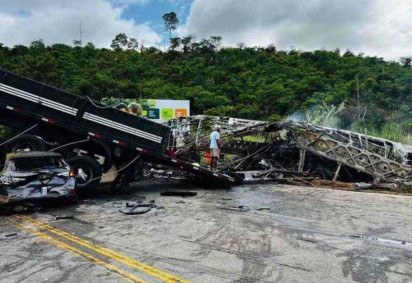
363,186
240,208
137,209
387,241
263,208
10,235
64,217
128,204
178,194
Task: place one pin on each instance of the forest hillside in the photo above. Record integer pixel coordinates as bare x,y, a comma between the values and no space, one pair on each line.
358,92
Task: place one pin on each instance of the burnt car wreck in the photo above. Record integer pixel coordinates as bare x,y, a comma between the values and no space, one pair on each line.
294,152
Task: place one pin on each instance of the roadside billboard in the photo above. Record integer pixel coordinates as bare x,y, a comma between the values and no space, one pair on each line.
159,110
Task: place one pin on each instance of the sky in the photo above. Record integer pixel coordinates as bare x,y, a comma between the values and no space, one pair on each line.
380,28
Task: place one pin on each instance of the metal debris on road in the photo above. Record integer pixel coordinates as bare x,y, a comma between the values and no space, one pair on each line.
263,208
64,217
137,209
240,208
10,235
178,194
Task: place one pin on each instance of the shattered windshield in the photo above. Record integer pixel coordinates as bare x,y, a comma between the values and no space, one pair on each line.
28,164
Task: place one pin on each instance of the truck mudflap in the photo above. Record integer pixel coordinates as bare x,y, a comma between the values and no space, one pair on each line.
198,171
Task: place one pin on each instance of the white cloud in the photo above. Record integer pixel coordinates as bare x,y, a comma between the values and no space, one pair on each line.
22,21
375,27
389,30
125,3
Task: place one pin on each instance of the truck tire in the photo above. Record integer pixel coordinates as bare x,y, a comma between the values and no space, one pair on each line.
322,173
139,171
26,143
88,173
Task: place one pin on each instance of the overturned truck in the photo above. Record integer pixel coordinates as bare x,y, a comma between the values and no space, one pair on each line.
295,151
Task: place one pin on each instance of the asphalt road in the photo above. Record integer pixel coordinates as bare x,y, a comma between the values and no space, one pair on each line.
282,234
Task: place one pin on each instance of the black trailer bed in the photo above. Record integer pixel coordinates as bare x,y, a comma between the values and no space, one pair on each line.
79,114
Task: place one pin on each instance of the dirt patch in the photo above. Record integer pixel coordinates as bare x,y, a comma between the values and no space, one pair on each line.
334,185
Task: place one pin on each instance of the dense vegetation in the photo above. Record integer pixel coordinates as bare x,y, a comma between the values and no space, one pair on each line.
253,83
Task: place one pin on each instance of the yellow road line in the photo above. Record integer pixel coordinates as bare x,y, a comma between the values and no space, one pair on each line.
150,270
76,251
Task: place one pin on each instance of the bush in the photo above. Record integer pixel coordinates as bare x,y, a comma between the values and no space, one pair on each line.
398,132
4,132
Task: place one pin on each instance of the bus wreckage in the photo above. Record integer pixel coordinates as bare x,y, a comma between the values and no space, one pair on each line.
294,152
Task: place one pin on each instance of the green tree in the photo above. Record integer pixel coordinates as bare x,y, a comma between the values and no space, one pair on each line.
215,41
174,43
38,44
119,42
171,22
186,41
122,42
245,82
77,42
132,44
407,62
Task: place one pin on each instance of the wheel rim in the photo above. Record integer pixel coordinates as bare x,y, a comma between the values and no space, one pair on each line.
83,175
318,174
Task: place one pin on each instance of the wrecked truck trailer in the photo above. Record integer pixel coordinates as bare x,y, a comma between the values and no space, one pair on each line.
295,152
92,137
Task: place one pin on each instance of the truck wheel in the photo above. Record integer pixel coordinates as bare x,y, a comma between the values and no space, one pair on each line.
139,171
88,173
321,173
318,174
27,143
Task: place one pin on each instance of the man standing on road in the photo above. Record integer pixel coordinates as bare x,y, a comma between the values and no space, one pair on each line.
214,147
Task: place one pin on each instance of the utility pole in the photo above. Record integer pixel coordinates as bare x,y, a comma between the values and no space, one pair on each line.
81,33
357,94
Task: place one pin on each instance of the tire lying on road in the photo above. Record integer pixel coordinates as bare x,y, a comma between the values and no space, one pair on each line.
26,143
88,173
